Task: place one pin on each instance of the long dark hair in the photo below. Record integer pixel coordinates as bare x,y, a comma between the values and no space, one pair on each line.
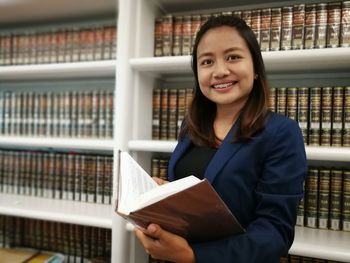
201,113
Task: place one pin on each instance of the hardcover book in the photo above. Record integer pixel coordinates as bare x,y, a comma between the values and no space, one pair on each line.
188,207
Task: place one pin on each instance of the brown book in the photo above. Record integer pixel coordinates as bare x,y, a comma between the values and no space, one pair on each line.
141,201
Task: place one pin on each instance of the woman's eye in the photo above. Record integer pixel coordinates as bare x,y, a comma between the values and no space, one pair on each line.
232,57
206,62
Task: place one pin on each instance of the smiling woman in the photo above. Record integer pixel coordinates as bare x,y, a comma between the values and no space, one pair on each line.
254,159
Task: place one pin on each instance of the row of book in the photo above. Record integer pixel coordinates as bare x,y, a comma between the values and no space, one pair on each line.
57,175
58,45
169,106
76,242
323,113
57,113
299,26
326,203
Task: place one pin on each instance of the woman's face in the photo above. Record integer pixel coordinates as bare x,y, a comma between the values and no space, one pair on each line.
225,67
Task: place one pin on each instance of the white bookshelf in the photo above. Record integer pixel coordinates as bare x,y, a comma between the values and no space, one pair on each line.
64,211
291,61
142,72
315,153
317,243
22,15
57,143
86,69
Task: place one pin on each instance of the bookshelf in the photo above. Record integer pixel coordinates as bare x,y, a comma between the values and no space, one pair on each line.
19,16
141,72
74,70
63,211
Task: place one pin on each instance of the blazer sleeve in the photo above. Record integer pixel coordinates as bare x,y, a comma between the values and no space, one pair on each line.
277,194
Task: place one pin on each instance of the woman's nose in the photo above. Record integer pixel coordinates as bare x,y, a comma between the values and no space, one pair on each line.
220,69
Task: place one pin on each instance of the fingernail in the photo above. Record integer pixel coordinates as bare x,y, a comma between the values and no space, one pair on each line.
151,228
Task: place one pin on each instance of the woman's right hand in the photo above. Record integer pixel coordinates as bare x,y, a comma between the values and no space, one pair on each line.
159,181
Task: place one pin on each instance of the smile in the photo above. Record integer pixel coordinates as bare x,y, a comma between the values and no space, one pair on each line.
224,85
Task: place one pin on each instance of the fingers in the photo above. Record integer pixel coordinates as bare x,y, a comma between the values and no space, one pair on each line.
159,181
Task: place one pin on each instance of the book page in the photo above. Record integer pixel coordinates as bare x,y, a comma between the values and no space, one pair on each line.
156,194
133,182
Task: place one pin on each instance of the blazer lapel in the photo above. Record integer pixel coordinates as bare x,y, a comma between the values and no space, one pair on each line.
224,153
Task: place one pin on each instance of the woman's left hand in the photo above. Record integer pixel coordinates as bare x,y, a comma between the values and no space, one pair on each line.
163,245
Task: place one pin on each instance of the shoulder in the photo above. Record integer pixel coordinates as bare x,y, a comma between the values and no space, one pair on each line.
276,122
281,130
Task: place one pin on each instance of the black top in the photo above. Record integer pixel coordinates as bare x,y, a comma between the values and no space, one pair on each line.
194,162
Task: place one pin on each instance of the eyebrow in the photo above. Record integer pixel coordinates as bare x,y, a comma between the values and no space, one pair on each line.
225,51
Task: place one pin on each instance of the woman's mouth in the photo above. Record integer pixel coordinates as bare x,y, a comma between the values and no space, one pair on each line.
223,86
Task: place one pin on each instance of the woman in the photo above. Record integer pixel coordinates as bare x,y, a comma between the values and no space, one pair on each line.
254,159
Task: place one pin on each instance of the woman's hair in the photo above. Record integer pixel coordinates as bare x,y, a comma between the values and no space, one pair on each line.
201,113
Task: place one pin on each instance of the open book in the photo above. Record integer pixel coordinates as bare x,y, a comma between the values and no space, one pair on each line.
188,207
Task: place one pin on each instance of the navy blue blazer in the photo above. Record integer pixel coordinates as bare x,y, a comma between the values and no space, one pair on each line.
261,181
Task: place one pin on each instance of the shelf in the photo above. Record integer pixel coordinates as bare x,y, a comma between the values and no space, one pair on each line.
91,69
325,244
97,215
22,11
152,146
276,62
185,5
339,154
59,143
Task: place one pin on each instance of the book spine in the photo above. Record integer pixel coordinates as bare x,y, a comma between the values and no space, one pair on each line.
346,201
315,113
195,26
98,45
292,103
286,31
345,24
181,109
346,134
282,100
100,178
333,24
310,26
276,23
337,116
324,193
177,38
186,35
53,57
164,114
335,199
246,15
167,35
321,25
301,210
303,111
265,33
77,177
156,108
158,37
298,26
311,200
326,116
108,186
256,23
172,119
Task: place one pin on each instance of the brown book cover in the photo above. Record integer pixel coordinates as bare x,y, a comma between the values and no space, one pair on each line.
183,211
